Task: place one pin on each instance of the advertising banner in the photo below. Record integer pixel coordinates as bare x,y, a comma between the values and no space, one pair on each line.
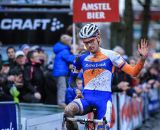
8,120
33,27
95,11
137,107
125,112
114,119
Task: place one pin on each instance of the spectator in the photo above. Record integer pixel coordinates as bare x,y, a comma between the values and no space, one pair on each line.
81,48
17,72
71,92
25,48
20,61
33,79
50,83
7,84
5,67
11,56
151,74
4,90
121,51
63,57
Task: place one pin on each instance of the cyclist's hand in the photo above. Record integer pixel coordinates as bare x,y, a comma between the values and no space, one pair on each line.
143,48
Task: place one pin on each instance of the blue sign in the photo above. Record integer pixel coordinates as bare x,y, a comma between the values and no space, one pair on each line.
8,120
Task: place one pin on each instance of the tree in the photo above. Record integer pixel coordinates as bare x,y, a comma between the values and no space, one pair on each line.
128,19
122,33
146,17
117,35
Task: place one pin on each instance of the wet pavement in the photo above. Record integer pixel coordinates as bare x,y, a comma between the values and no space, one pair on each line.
152,124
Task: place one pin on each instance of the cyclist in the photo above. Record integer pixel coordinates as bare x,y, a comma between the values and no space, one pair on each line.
98,67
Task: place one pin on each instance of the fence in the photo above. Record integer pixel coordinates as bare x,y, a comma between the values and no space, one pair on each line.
10,116
127,113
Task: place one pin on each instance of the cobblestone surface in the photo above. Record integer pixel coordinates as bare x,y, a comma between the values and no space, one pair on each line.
152,124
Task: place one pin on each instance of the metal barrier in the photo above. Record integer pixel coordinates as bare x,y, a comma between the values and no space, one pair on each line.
10,116
127,113
28,116
41,117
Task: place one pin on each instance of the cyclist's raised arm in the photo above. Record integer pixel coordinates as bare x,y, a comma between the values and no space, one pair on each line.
133,70
143,51
119,62
75,71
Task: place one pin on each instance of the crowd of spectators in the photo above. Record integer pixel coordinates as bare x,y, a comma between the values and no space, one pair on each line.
135,86
26,76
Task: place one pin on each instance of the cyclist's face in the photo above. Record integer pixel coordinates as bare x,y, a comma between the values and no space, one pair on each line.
92,44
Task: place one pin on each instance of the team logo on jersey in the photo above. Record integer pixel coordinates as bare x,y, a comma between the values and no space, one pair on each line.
95,65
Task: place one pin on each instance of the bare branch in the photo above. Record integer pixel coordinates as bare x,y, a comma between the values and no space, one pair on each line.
141,3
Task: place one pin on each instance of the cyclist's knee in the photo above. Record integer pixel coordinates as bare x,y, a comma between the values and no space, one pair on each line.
71,109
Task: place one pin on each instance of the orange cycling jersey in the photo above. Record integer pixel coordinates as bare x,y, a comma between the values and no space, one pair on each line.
98,68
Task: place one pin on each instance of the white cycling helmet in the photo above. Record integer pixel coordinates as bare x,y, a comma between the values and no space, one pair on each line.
89,30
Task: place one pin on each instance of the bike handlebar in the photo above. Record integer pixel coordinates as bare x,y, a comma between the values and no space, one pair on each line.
86,120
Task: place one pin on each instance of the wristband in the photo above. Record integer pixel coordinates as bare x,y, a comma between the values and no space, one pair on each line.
143,57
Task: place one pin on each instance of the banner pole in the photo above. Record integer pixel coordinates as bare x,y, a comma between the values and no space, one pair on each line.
74,38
